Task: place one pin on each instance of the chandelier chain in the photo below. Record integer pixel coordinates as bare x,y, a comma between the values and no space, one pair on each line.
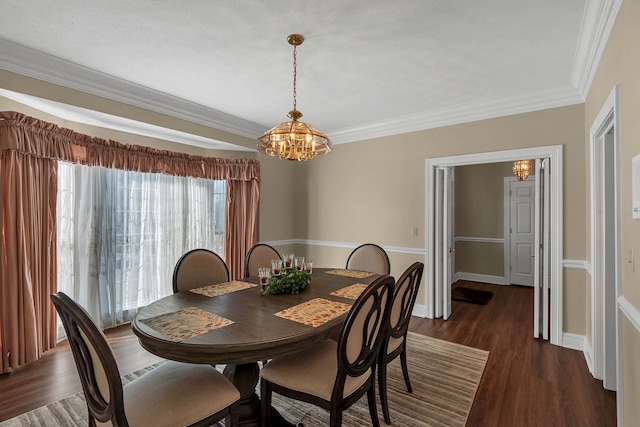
295,74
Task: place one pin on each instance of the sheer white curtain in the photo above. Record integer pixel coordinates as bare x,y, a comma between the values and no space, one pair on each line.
120,234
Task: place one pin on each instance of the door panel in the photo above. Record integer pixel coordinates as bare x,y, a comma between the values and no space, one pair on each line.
521,217
542,256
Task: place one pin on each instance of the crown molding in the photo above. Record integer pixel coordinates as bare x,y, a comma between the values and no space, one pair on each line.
32,63
463,113
122,124
597,23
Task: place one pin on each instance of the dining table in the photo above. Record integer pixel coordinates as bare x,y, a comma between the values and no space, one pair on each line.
233,324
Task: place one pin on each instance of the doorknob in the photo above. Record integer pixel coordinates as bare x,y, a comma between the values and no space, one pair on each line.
451,250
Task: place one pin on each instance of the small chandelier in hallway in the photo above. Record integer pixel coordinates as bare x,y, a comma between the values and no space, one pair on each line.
522,169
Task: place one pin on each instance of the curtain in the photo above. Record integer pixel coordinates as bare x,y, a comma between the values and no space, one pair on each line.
27,257
29,151
241,231
121,233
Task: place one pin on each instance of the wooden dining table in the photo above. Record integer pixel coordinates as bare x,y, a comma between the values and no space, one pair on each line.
233,324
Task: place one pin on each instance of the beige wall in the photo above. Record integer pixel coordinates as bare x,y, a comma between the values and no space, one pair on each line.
620,64
374,191
479,199
479,213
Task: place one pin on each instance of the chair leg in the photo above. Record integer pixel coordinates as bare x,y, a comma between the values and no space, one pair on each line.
405,370
382,387
232,419
335,417
265,399
371,397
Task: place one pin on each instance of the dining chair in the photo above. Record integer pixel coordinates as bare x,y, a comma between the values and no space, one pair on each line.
334,375
395,342
260,255
369,257
171,394
197,268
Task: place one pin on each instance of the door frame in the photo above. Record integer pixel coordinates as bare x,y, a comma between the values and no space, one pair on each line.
554,152
507,224
608,119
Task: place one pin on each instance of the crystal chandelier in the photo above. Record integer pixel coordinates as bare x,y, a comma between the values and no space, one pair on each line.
294,140
522,169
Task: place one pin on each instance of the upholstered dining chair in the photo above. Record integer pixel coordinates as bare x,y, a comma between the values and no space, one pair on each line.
197,268
172,394
369,257
334,375
260,255
395,342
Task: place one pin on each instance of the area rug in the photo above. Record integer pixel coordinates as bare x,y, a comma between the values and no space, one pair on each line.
474,296
444,376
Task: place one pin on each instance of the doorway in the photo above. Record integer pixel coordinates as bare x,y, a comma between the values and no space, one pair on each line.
436,294
605,246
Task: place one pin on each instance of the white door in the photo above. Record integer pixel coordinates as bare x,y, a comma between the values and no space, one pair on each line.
443,237
521,231
447,241
542,253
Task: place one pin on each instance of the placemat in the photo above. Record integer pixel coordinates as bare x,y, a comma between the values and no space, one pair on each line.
314,312
185,323
222,288
350,292
351,273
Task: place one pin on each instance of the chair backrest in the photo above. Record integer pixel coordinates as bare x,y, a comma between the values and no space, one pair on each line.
363,331
95,361
260,255
369,257
404,298
199,267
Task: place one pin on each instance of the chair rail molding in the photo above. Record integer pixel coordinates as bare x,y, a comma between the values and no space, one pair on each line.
346,245
630,311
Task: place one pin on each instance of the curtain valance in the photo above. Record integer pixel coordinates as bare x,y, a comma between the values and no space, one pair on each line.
45,140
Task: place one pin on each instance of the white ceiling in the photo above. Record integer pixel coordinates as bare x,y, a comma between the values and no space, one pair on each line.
366,68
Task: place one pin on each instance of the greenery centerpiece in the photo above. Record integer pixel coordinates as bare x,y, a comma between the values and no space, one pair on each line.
290,281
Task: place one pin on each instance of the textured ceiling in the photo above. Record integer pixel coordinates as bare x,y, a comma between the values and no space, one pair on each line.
366,68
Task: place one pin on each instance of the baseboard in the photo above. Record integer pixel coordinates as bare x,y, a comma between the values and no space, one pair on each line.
573,341
419,310
495,280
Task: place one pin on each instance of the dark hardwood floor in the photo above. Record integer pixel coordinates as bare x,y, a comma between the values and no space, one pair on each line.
526,382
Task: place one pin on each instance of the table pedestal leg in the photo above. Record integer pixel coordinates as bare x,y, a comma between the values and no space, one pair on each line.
245,378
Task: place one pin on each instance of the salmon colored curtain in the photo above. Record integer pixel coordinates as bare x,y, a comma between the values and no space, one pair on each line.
29,149
28,263
240,226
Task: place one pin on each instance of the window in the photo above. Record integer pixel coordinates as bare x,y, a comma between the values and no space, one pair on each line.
120,234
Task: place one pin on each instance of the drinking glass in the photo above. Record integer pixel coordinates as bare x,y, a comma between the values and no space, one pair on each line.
298,262
288,260
263,274
276,266
308,266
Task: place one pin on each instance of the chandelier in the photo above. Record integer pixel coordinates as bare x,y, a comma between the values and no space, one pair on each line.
294,140
522,169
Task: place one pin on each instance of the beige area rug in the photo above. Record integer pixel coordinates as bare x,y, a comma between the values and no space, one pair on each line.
444,376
